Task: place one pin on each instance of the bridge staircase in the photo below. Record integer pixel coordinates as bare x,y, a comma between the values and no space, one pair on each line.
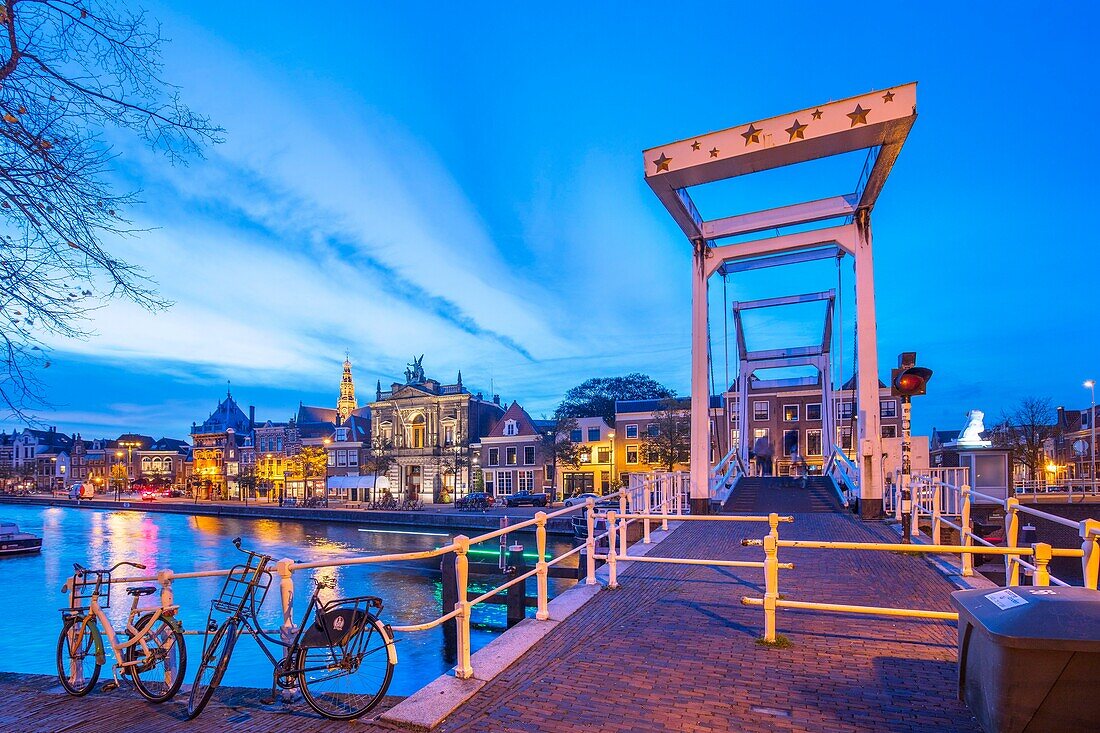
783,495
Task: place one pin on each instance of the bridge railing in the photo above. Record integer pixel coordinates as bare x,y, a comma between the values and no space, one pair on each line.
845,475
724,476
1035,557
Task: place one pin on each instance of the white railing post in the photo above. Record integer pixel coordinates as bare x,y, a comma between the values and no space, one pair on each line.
664,513
914,513
771,586
464,669
1090,557
647,507
937,508
622,523
285,570
1041,555
612,575
1012,537
543,569
590,543
164,577
967,538
773,524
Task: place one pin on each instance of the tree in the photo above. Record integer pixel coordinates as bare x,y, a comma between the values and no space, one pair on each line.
558,442
1024,430
247,479
671,445
69,73
381,459
596,397
308,463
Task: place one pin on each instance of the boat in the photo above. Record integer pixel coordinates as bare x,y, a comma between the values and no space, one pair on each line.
14,542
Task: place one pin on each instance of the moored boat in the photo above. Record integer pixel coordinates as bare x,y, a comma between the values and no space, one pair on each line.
14,542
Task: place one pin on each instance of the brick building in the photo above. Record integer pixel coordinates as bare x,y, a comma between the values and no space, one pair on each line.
514,455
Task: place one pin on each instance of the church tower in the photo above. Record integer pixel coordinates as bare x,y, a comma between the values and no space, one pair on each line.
347,402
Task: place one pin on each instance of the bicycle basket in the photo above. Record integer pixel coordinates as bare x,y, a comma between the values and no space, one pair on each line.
89,584
244,580
336,623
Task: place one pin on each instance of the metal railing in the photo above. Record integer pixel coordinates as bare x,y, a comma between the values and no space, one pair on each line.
845,475
725,475
953,475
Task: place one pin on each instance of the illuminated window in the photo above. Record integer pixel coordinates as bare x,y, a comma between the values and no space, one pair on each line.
603,455
790,413
632,454
511,456
813,442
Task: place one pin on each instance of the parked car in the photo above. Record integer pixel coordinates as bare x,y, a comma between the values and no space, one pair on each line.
475,501
148,495
581,498
526,498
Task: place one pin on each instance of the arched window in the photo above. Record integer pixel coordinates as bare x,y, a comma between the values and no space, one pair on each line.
168,465
416,432
145,463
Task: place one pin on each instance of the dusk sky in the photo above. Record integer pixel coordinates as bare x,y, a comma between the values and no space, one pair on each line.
466,182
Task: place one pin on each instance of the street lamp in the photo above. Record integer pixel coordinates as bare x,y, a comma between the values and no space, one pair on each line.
118,483
1091,385
611,469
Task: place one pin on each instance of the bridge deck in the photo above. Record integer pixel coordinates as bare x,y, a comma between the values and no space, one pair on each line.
785,495
672,650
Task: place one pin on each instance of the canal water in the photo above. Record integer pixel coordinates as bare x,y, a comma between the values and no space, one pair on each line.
30,586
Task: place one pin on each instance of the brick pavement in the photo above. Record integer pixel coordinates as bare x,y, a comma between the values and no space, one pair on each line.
671,650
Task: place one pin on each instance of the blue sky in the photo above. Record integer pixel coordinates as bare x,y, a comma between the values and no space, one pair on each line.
465,181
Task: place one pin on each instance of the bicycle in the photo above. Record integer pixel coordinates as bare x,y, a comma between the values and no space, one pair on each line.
154,654
342,660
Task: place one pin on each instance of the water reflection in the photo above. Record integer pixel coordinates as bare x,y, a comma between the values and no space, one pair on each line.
412,592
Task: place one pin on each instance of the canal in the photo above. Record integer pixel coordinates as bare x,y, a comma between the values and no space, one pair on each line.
30,586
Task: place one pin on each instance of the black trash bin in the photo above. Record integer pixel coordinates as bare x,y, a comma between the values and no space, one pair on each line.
1029,658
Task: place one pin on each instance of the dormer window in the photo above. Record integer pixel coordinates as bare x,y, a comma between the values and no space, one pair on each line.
510,427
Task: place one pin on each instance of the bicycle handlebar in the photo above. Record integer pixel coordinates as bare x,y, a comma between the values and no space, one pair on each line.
81,570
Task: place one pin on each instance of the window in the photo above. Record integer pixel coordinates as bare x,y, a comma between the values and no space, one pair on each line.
761,410
735,438
790,413
341,458
632,454
632,432
504,482
332,458
494,456
575,436
845,438
888,408
813,411
845,409
341,434
511,455
758,433
593,435
488,482
449,435
353,458
548,472
416,432
510,427
279,444
889,431
603,455
528,455
653,430
813,442
790,442
526,480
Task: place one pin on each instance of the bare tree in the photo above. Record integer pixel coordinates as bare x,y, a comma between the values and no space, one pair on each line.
669,445
1024,430
71,71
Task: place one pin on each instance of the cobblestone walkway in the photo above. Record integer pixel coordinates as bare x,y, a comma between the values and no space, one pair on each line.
672,650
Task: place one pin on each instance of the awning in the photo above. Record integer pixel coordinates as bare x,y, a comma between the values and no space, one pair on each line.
343,483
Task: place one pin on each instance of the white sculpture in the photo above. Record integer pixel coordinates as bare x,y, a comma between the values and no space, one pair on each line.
971,436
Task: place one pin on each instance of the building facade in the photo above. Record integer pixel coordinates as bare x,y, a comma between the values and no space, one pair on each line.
215,452
514,455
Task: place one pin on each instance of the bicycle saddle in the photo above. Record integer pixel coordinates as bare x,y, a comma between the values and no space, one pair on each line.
141,590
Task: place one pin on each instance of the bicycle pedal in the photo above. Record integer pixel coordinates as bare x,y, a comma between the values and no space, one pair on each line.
109,686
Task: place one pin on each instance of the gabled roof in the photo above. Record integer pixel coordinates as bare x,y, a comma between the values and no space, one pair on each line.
359,426
309,414
524,424
169,444
49,437
226,415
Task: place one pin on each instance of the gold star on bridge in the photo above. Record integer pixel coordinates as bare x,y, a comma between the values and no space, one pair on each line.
662,163
858,116
888,97
817,114
714,152
695,145
752,135
796,131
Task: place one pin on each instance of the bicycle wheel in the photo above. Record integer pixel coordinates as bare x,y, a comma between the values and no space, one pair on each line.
215,658
79,656
344,682
160,664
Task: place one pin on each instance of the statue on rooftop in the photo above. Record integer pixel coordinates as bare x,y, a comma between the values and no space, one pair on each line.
415,373
971,435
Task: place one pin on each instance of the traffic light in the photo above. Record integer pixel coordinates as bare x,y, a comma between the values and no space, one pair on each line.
909,381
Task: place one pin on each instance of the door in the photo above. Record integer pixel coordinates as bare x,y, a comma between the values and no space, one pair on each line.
412,482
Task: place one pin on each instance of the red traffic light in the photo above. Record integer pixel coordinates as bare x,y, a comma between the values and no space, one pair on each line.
911,381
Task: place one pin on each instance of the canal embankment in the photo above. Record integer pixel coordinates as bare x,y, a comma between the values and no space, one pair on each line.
445,519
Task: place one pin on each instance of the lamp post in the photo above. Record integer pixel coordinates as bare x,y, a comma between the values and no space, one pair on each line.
118,484
1091,384
611,468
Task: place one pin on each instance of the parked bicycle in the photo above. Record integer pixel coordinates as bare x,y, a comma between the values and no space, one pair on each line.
341,656
152,652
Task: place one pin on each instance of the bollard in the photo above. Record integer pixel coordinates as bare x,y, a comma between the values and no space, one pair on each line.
164,577
1012,537
612,577
771,586
967,538
285,569
543,612
590,543
463,670
1041,557
1090,558
773,523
